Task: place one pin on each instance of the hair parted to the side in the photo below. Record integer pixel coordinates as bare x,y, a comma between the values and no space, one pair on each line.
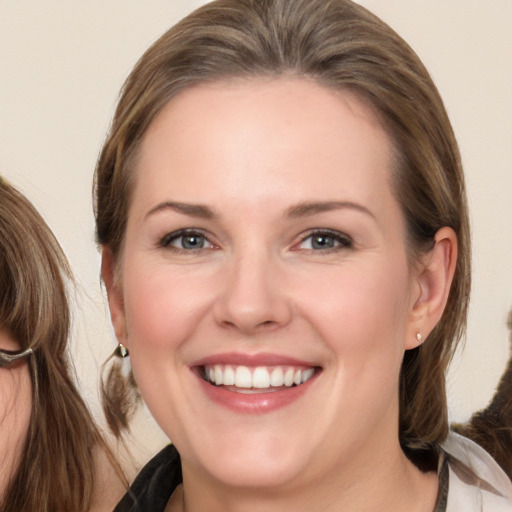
57,467
340,45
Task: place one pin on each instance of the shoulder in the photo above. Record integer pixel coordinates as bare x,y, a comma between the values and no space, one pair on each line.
476,482
154,485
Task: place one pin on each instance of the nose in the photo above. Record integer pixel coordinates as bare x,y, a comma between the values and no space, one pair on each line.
253,298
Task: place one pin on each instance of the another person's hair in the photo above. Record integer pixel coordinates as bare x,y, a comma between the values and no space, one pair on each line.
491,427
58,465
341,46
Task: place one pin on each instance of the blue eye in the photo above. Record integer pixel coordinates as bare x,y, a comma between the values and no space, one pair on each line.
325,241
186,240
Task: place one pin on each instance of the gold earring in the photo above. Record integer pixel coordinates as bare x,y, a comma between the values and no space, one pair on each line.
119,392
121,351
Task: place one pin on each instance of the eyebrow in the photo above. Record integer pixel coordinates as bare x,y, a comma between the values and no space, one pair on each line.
193,210
305,209
312,208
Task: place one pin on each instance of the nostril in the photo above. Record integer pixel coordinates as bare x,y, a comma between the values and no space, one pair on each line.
261,325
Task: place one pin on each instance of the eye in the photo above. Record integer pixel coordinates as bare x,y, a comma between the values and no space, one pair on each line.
325,240
186,240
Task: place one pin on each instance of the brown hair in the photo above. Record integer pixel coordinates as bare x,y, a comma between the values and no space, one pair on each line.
342,46
491,427
58,464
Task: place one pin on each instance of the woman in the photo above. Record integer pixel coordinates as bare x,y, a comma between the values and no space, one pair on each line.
53,456
285,246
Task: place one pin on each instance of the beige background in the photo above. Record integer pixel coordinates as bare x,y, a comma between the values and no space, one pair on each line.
62,64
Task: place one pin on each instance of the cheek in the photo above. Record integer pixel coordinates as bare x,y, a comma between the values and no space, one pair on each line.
360,307
162,306
362,317
15,412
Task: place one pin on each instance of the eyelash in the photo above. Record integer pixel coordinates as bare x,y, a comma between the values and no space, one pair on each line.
168,239
340,240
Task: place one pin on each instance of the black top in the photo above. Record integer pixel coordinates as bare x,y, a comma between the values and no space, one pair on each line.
154,485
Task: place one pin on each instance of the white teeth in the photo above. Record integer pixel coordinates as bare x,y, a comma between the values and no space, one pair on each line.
243,377
288,377
260,377
218,375
229,376
307,374
277,377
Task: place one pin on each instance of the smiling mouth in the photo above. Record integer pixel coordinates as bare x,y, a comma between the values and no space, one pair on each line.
259,379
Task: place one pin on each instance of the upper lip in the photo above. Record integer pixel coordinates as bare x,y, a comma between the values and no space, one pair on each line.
261,359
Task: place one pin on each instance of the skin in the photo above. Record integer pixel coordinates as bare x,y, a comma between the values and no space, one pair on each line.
15,407
108,487
254,153
15,413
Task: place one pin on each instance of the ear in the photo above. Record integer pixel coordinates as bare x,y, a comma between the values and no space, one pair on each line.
115,295
434,276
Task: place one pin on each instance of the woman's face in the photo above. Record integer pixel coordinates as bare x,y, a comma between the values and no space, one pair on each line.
15,408
265,293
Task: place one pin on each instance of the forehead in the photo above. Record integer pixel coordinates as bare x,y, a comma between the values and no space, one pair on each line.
272,137
276,101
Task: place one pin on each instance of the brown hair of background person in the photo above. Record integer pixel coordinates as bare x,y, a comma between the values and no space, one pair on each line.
62,460
491,428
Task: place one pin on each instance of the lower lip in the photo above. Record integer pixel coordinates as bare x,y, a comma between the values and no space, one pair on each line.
255,403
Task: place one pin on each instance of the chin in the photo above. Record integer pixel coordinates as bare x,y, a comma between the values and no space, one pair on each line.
263,463
254,472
